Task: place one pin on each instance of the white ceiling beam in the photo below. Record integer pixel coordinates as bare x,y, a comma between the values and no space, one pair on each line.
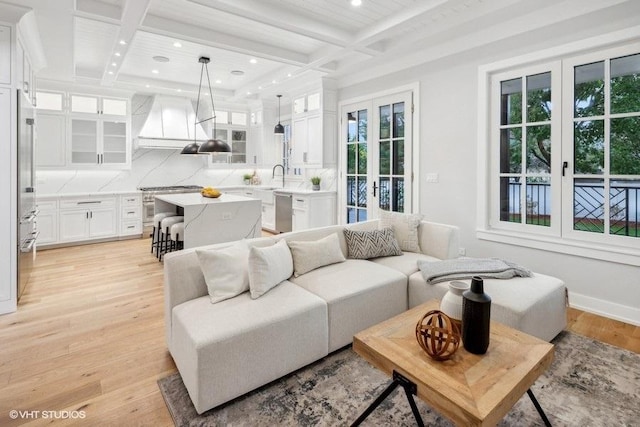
93,8
280,18
183,31
133,12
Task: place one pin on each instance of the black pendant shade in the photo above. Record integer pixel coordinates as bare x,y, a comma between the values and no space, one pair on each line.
212,145
279,129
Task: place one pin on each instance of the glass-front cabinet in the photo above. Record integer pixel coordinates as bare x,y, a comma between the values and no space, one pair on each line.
98,142
232,129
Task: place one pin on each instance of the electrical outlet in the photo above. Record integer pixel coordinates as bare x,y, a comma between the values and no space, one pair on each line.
432,177
462,251
226,215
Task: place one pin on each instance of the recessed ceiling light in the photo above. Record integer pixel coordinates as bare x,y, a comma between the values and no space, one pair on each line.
117,53
113,64
159,58
218,81
237,72
248,93
289,75
253,60
356,2
147,86
273,81
122,42
155,71
110,72
259,87
177,44
178,90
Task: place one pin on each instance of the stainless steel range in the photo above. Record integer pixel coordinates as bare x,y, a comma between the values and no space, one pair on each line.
149,194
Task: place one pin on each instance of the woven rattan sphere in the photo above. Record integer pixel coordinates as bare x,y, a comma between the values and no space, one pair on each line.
438,335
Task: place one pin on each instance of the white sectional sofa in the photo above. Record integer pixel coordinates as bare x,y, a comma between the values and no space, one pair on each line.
227,349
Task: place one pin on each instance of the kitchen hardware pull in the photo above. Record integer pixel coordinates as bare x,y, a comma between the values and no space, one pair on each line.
90,203
131,212
98,158
300,200
90,214
29,242
131,226
86,214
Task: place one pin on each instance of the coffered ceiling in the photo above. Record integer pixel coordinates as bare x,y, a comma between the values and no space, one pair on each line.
261,47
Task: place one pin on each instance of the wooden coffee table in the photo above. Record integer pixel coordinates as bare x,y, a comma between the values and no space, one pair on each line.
469,389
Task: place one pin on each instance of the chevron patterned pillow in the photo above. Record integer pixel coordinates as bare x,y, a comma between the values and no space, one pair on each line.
371,244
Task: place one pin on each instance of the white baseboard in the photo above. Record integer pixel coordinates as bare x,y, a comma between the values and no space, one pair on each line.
608,309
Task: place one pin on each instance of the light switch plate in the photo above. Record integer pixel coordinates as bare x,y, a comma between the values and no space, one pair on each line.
432,177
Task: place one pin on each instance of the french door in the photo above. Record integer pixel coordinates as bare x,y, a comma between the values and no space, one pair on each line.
376,140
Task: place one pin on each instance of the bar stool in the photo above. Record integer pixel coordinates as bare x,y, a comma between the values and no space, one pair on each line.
155,233
165,231
177,237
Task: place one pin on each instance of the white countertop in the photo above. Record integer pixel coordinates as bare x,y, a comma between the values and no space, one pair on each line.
194,199
302,191
100,194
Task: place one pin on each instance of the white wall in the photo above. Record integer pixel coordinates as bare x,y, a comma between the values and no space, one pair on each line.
448,146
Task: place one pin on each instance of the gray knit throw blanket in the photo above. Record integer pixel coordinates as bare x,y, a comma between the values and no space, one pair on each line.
465,268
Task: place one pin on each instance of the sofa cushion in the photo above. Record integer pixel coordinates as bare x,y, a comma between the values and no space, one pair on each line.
226,349
308,256
405,228
371,244
535,305
406,264
359,294
225,270
268,267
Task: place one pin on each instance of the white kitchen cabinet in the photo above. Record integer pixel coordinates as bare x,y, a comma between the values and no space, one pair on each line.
99,142
51,140
90,218
98,105
130,214
268,216
313,210
314,130
47,221
5,55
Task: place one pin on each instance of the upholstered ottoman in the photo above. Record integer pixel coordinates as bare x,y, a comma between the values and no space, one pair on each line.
535,305
241,344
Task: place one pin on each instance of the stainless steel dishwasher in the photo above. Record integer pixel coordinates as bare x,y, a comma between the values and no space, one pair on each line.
283,212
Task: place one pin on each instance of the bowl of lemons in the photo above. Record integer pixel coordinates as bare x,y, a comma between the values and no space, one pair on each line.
210,192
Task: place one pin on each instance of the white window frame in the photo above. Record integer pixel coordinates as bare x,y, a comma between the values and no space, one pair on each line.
619,249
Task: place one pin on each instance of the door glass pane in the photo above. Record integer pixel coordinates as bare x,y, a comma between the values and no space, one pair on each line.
398,157
539,201
362,158
222,117
84,104
624,196
362,191
351,158
362,215
511,101
511,150
625,84
116,107
385,157
589,90
398,195
625,146
362,125
351,215
84,136
239,119
510,199
49,101
588,205
398,120
539,97
298,105
588,139
539,149
221,134
385,121
351,127
351,190
114,142
385,194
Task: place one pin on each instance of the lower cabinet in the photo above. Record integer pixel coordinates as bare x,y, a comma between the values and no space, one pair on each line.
47,221
90,223
268,216
313,210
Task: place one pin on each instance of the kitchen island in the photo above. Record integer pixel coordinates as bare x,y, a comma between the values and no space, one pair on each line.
207,221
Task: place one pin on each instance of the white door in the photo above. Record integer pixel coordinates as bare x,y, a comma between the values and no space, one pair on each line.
103,222
74,225
377,157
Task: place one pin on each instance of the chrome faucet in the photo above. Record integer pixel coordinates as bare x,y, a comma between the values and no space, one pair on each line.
273,173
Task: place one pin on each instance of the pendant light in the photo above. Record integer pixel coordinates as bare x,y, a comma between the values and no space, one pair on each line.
213,145
279,129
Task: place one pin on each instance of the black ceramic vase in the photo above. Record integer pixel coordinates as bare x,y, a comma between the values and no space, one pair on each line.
476,314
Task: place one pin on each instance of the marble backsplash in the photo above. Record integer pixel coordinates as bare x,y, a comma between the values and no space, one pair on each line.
154,167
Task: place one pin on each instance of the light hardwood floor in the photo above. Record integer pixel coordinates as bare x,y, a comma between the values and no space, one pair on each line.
89,335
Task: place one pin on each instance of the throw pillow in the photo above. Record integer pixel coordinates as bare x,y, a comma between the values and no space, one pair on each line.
405,228
308,256
225,270
268,267
371,244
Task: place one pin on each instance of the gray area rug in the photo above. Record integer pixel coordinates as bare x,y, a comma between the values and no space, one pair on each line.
589,384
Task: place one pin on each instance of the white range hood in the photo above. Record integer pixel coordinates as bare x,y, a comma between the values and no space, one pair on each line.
170,124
